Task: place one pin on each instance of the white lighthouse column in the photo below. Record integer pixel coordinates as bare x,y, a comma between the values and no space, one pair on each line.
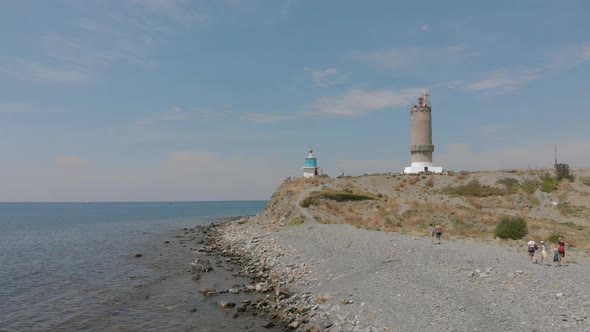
421,147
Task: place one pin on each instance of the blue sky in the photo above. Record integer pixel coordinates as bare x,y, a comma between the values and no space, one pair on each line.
220,99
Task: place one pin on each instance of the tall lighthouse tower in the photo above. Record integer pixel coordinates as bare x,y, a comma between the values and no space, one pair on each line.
311,168
421,147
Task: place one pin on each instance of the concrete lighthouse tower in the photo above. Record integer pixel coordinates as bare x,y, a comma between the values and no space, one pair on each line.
421,147
311,168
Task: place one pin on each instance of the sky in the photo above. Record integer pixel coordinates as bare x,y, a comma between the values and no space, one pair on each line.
170,100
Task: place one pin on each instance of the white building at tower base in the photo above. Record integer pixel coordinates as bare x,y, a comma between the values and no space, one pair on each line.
421,168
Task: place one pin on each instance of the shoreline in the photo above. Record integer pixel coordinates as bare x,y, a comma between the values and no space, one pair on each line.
281,305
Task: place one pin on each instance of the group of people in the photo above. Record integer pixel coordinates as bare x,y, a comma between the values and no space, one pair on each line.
558,252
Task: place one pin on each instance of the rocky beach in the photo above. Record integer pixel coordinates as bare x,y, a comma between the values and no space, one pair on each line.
336,277
349,279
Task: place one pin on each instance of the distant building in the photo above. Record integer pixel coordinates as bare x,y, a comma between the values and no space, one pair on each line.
421,147
311,168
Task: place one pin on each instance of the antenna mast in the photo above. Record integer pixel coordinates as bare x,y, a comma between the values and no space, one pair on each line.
555,154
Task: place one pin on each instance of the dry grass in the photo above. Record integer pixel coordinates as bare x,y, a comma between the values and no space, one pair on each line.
404,207
323,297
456,221
462,176
414,180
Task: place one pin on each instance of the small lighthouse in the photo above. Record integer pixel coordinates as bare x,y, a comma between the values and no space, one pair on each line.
421,147
311,168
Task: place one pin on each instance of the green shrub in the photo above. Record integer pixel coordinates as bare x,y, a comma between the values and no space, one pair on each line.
308,201
318,219
529,186
511,228
534,200
511,184
562,171
548,183
297,220
554,238
474,188
570,224
334,195
407,214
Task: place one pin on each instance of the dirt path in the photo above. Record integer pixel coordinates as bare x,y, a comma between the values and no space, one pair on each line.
302,210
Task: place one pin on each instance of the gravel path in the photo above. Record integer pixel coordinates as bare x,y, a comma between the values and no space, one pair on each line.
303,211
377,281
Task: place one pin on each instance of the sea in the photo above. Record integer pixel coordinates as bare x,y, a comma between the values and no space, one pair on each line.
73,267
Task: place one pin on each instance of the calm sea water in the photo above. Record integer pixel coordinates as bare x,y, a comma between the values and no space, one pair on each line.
70,266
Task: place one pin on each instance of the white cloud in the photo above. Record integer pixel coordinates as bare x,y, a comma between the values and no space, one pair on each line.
425,27
174,114
359,102
328,77
571,56
28,70
87,55
405,57
124,36
264,117
503,79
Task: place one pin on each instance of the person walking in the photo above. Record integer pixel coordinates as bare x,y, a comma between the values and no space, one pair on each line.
556,256
561,251
531,249
543,253
438,231
431,232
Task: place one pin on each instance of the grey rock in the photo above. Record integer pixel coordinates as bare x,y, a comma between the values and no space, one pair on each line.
268,325
227,304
